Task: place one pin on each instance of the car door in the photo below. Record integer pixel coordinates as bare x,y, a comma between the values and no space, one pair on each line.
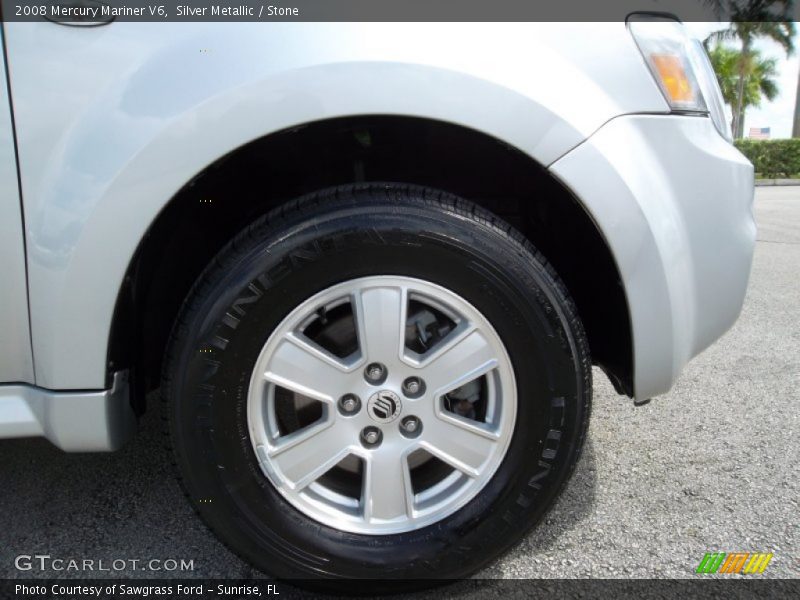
16,360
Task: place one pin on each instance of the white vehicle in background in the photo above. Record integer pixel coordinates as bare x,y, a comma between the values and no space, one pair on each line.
369,266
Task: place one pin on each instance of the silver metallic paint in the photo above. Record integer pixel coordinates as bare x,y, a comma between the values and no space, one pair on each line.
674,201
91,421
112,121
16,359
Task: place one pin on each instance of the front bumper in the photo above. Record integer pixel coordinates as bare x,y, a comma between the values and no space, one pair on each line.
674,202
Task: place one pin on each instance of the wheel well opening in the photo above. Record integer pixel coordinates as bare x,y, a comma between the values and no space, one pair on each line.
264,174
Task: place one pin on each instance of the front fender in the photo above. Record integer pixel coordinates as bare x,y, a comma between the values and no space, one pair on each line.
129,113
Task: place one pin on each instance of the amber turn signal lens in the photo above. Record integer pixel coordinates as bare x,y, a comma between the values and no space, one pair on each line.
673,76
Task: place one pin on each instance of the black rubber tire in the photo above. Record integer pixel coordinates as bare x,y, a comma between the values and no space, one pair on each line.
333,236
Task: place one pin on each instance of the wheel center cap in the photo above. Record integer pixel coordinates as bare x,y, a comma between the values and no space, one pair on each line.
384,406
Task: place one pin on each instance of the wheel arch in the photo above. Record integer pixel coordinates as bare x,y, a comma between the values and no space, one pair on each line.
147,112
261,175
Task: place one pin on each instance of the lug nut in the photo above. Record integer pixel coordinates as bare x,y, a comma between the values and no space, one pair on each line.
410,426
375,373
371,437
413,387
349,404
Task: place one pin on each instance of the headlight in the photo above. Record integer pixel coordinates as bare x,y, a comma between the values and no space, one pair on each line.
665,48
680,67
709,85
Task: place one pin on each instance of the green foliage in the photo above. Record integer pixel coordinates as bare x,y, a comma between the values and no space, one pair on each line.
725,61
748,29
751,20
759,73
772,158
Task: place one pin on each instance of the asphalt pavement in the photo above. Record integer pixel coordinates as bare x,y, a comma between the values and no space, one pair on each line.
712,466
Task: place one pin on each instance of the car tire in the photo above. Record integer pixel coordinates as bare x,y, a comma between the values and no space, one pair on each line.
379,246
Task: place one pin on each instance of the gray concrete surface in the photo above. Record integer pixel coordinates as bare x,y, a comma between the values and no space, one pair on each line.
712,466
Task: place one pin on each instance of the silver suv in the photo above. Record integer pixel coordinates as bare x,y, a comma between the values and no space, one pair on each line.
368,266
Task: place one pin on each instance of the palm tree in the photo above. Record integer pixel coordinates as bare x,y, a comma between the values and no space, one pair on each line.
751,20
758,82
724,60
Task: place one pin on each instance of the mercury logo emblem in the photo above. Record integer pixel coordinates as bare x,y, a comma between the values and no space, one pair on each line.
384,406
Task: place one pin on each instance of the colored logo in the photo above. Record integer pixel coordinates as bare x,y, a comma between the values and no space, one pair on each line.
743,563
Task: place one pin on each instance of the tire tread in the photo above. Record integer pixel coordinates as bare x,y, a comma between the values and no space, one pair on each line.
359,194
